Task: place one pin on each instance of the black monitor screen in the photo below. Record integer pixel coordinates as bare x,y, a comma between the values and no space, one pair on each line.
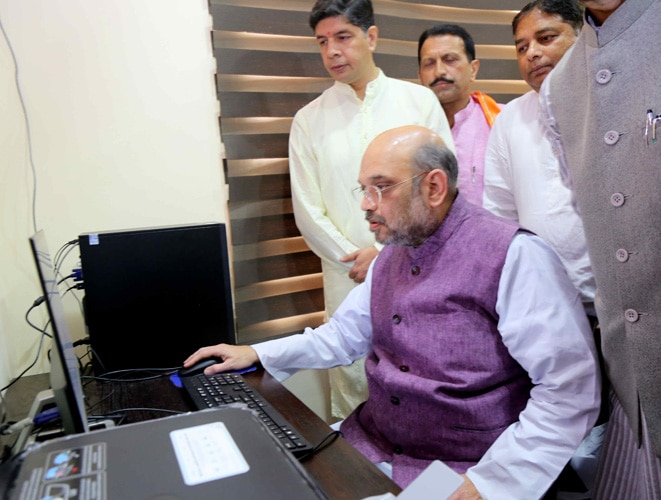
65,375
155,295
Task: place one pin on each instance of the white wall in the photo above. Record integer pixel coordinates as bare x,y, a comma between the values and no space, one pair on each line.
123,120
121,106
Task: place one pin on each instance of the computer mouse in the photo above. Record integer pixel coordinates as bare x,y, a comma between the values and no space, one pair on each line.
198,367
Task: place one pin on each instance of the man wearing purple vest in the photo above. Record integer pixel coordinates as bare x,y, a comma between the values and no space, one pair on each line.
479,353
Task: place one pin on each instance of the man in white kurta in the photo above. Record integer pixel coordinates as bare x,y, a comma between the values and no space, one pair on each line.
523,184
522,174
326,144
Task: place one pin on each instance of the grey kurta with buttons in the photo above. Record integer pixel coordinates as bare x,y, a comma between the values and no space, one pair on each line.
600,95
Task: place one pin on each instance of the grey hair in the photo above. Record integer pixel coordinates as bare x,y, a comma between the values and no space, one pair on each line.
432,156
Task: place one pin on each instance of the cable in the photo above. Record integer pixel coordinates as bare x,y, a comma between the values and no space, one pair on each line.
326,441
37,303
66,278
61,254
122,410
41,343
58,262
8,429
27,126
98,360
160,372
77,286
43,418
92,406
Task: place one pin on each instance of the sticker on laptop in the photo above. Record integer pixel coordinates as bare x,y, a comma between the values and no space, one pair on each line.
207,453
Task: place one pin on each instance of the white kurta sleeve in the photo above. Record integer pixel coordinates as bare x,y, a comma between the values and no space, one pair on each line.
320,233
544,326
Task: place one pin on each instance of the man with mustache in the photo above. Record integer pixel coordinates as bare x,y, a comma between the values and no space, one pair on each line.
478,350
447,65
603,102
326,142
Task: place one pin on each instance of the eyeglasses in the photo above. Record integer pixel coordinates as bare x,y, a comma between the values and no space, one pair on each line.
374,194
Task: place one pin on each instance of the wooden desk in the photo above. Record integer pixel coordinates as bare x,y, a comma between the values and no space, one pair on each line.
339,469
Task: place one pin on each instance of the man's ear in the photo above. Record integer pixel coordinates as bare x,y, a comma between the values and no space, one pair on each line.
437,187
475,67
373,37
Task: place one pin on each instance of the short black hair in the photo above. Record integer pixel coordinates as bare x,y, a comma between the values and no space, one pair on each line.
449,29
357,12
571,12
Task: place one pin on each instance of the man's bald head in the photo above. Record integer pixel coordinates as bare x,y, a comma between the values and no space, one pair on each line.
414,147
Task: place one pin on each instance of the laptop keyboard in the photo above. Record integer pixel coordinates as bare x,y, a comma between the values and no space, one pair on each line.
226,388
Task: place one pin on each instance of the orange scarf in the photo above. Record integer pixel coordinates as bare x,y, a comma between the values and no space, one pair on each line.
489,107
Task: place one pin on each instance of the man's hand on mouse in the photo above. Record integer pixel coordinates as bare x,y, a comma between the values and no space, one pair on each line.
235,357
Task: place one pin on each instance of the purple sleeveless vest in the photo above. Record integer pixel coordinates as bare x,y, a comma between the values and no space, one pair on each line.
442,384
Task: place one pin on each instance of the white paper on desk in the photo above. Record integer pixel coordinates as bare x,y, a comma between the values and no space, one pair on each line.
437,481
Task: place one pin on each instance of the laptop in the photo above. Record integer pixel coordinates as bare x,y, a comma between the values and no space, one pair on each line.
213,453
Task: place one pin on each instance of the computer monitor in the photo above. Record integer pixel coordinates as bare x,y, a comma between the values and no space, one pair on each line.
155,295
65,373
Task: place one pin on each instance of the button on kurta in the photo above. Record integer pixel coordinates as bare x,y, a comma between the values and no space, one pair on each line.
394,400
397,319
604,76
397,450
631,315
611,137
415,270
617,199
622,255
403,368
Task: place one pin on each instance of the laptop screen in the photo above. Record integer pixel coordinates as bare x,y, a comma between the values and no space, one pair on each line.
64,375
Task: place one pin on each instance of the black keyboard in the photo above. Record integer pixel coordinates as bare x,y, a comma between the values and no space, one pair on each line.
227,388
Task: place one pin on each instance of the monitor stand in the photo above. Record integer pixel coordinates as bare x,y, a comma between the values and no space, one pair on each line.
43,401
